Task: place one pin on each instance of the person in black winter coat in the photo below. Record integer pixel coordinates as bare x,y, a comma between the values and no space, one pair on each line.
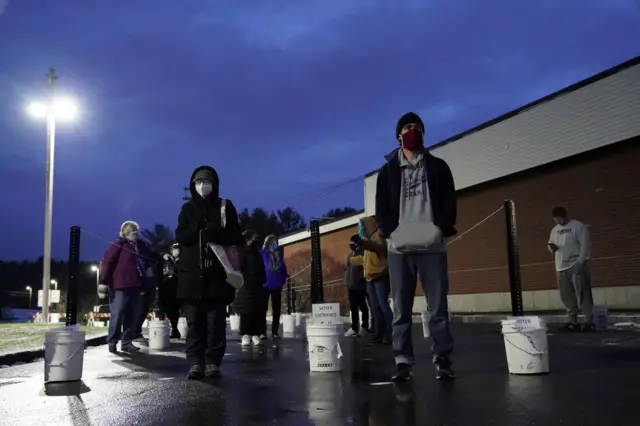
202,280
249,301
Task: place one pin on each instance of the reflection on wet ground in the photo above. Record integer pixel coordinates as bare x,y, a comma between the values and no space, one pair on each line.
593,382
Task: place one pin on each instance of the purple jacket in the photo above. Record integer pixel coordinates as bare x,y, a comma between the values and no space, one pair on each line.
121,268
275,280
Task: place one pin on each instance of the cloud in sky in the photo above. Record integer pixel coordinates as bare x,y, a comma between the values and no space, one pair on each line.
283,98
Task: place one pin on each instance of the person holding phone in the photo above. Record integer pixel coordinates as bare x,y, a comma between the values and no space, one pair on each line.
570,244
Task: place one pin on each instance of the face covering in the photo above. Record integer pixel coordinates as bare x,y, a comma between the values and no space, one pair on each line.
204,189
132,236
273,246
412,140
175,253
361,231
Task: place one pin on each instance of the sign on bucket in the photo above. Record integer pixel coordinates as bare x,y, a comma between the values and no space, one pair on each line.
326,313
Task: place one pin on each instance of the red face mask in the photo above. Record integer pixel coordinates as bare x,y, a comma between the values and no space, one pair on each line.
412,140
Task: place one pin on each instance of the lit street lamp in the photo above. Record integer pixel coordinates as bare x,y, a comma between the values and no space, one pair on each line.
30,290
54,109
54,283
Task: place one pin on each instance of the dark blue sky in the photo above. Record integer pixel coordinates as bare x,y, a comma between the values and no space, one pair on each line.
284,98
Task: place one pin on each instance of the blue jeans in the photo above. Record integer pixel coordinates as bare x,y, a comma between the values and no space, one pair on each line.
378,291
124,309
432,269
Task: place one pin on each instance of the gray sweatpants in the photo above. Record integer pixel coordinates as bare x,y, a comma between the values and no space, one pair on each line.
404,270
575,291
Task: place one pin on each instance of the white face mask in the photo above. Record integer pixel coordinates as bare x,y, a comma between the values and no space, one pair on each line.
175,253
132,236
204,189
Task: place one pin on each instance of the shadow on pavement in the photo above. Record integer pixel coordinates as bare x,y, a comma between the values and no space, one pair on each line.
79,415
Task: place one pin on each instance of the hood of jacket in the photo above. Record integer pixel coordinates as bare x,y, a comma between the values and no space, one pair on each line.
370,225
215,192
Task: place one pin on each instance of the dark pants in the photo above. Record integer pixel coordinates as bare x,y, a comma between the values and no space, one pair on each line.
171,309
124,308
251,324
206,335
378,290
276,308
169,304
147,301
357,304
432,270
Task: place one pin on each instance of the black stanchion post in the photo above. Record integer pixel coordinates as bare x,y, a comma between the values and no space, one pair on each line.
515,285
73,271
317,291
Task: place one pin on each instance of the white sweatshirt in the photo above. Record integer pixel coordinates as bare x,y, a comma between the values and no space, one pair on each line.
574,244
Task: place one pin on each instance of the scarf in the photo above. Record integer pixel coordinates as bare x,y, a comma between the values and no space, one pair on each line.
142,270
275,260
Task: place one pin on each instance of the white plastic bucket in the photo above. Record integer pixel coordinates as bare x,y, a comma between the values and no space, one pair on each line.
298,319
526,346
63,355
183,327
601,317
325,353
159,334
425,324
234,322
288,324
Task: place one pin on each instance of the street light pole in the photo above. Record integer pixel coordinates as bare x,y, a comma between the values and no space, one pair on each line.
30,290
48,209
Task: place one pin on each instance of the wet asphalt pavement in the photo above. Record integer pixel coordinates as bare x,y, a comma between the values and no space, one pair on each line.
594,381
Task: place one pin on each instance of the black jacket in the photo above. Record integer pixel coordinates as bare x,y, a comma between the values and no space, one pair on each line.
250,298
203,215
354,274
442,193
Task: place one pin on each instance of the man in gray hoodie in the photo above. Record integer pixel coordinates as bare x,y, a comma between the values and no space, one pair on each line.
415,210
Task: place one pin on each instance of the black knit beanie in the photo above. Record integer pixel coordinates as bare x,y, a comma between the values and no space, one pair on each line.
408,118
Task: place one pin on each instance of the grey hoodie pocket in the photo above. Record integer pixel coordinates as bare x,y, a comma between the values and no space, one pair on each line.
415,236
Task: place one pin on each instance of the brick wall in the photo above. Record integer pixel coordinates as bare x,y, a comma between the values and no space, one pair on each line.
600,188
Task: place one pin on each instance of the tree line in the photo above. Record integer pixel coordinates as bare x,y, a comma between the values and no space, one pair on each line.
15,276
277,222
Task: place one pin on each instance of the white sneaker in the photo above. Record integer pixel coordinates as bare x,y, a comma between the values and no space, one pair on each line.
256,341
246,340
350,333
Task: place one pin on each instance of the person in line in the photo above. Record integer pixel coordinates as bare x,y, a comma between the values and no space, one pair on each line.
168,289
416,209
357,288
249,302
147,296
277,275
202,284
376,273
570,243
123,273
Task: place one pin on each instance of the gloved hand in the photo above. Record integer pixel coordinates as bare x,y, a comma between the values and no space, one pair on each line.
103,291
356,239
